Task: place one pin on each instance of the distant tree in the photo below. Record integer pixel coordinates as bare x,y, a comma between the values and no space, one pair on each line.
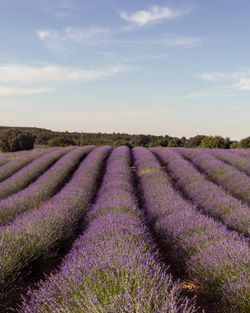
60,142
245,143
143,140
183,141
12,140
215,142
119,143
234,145
43,138
194,142
174,142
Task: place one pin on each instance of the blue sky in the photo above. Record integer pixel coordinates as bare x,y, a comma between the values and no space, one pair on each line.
158,67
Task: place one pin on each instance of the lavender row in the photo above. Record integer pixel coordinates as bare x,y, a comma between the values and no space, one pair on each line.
3,161
30,172
242,152
231,179
113,266
235,160
13,166
43,188
216,257
36,234
7,157
206,195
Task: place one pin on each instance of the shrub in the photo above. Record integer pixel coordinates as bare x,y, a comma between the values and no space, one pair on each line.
15,140
215,142
194,142
60,142
234,145
245,143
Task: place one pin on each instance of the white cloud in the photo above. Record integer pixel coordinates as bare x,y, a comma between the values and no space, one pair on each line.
212,77
180,41
77,35
220,76
237,80
24,74
154,14
243,84
10,91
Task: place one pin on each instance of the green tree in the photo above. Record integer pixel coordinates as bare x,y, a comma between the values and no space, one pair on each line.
12,140
245,143
234,145
194,142
60,142
215,142
143,140
174,142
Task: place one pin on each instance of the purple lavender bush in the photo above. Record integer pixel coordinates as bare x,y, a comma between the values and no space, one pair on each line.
221,173
214,256
15,165
242,152
3,161
43,188
37,234
114,266
30,172
235,160
10,156
207,196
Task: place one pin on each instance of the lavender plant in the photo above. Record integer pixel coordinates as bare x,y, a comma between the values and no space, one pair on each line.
30,172
7,157
242,152
36,234
43,188
13,166
114,265
207,196
233,159
221,173
216,257
3,161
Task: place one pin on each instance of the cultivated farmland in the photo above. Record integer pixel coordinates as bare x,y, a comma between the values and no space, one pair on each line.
96,229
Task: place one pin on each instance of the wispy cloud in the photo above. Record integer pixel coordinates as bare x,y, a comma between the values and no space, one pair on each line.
210,93
239,80
153,14
223,76
212,77
58,40
180,41
24,74
15,91
224,84
244,84
77,35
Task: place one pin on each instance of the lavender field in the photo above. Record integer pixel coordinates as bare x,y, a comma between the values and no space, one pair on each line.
104,230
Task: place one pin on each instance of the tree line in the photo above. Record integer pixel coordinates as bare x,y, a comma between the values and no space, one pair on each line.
24,138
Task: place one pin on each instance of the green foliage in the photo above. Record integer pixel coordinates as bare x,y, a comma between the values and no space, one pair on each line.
194,142
234,145
245,143
215,142
60,142
175,142
45,136
13,139
143,140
